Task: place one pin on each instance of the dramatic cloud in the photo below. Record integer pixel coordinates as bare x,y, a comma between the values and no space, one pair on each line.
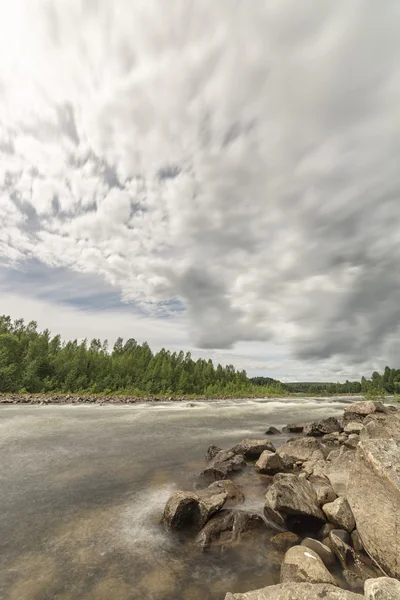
233,160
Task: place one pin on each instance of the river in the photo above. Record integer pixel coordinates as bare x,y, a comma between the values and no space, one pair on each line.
82,489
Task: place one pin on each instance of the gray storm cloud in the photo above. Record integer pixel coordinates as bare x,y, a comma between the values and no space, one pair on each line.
240,158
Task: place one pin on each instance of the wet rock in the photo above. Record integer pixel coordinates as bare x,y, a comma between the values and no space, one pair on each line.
285,540
325,553
364,408
223,463
191,510
324,490
340,514
323,426
291,496
353,427
269,463
233,491
382,588
272,431
375,482
297,591
340,543
303,564
301,449
295,427
212,451
229,527
252,449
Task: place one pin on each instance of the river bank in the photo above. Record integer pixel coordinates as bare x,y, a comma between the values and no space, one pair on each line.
64,398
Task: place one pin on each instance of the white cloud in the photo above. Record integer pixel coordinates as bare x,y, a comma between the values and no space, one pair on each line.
239,157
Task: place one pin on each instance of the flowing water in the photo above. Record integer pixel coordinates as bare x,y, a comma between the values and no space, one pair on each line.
82,489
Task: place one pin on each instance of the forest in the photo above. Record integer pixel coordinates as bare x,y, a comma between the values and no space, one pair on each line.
33,361
36,362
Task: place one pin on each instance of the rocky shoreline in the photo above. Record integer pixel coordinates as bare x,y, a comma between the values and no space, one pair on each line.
102,399
332,506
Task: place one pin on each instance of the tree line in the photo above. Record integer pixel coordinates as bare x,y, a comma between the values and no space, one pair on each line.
35,361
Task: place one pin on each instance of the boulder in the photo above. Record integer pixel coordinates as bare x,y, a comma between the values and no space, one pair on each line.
191,510
233,491
366,407
297,591
338,469
382,588
303,564
269,463
251,449
301,449
375,483
295,427
212,451
324,490
339,513
325,530
272,431
285,540
290,496
223,463
322,427
381,426
229,527
353,427
340,543
325,553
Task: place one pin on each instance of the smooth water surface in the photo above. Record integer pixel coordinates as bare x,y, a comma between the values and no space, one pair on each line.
82,489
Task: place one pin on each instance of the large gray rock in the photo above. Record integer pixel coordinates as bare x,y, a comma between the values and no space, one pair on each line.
382,588
229,527
381,426
269,463
339,513
301,449
325,553
251,449
374,485
297,591
338,469
366,407
303,564
223,463
290,495
322,427
191,510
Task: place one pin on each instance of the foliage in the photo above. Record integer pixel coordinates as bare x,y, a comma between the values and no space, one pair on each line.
33,361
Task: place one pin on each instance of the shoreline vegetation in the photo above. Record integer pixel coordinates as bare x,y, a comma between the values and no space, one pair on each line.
36,366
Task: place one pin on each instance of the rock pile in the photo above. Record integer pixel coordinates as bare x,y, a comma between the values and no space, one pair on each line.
333,496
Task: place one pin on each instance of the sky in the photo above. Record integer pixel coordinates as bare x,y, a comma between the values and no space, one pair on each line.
220,177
